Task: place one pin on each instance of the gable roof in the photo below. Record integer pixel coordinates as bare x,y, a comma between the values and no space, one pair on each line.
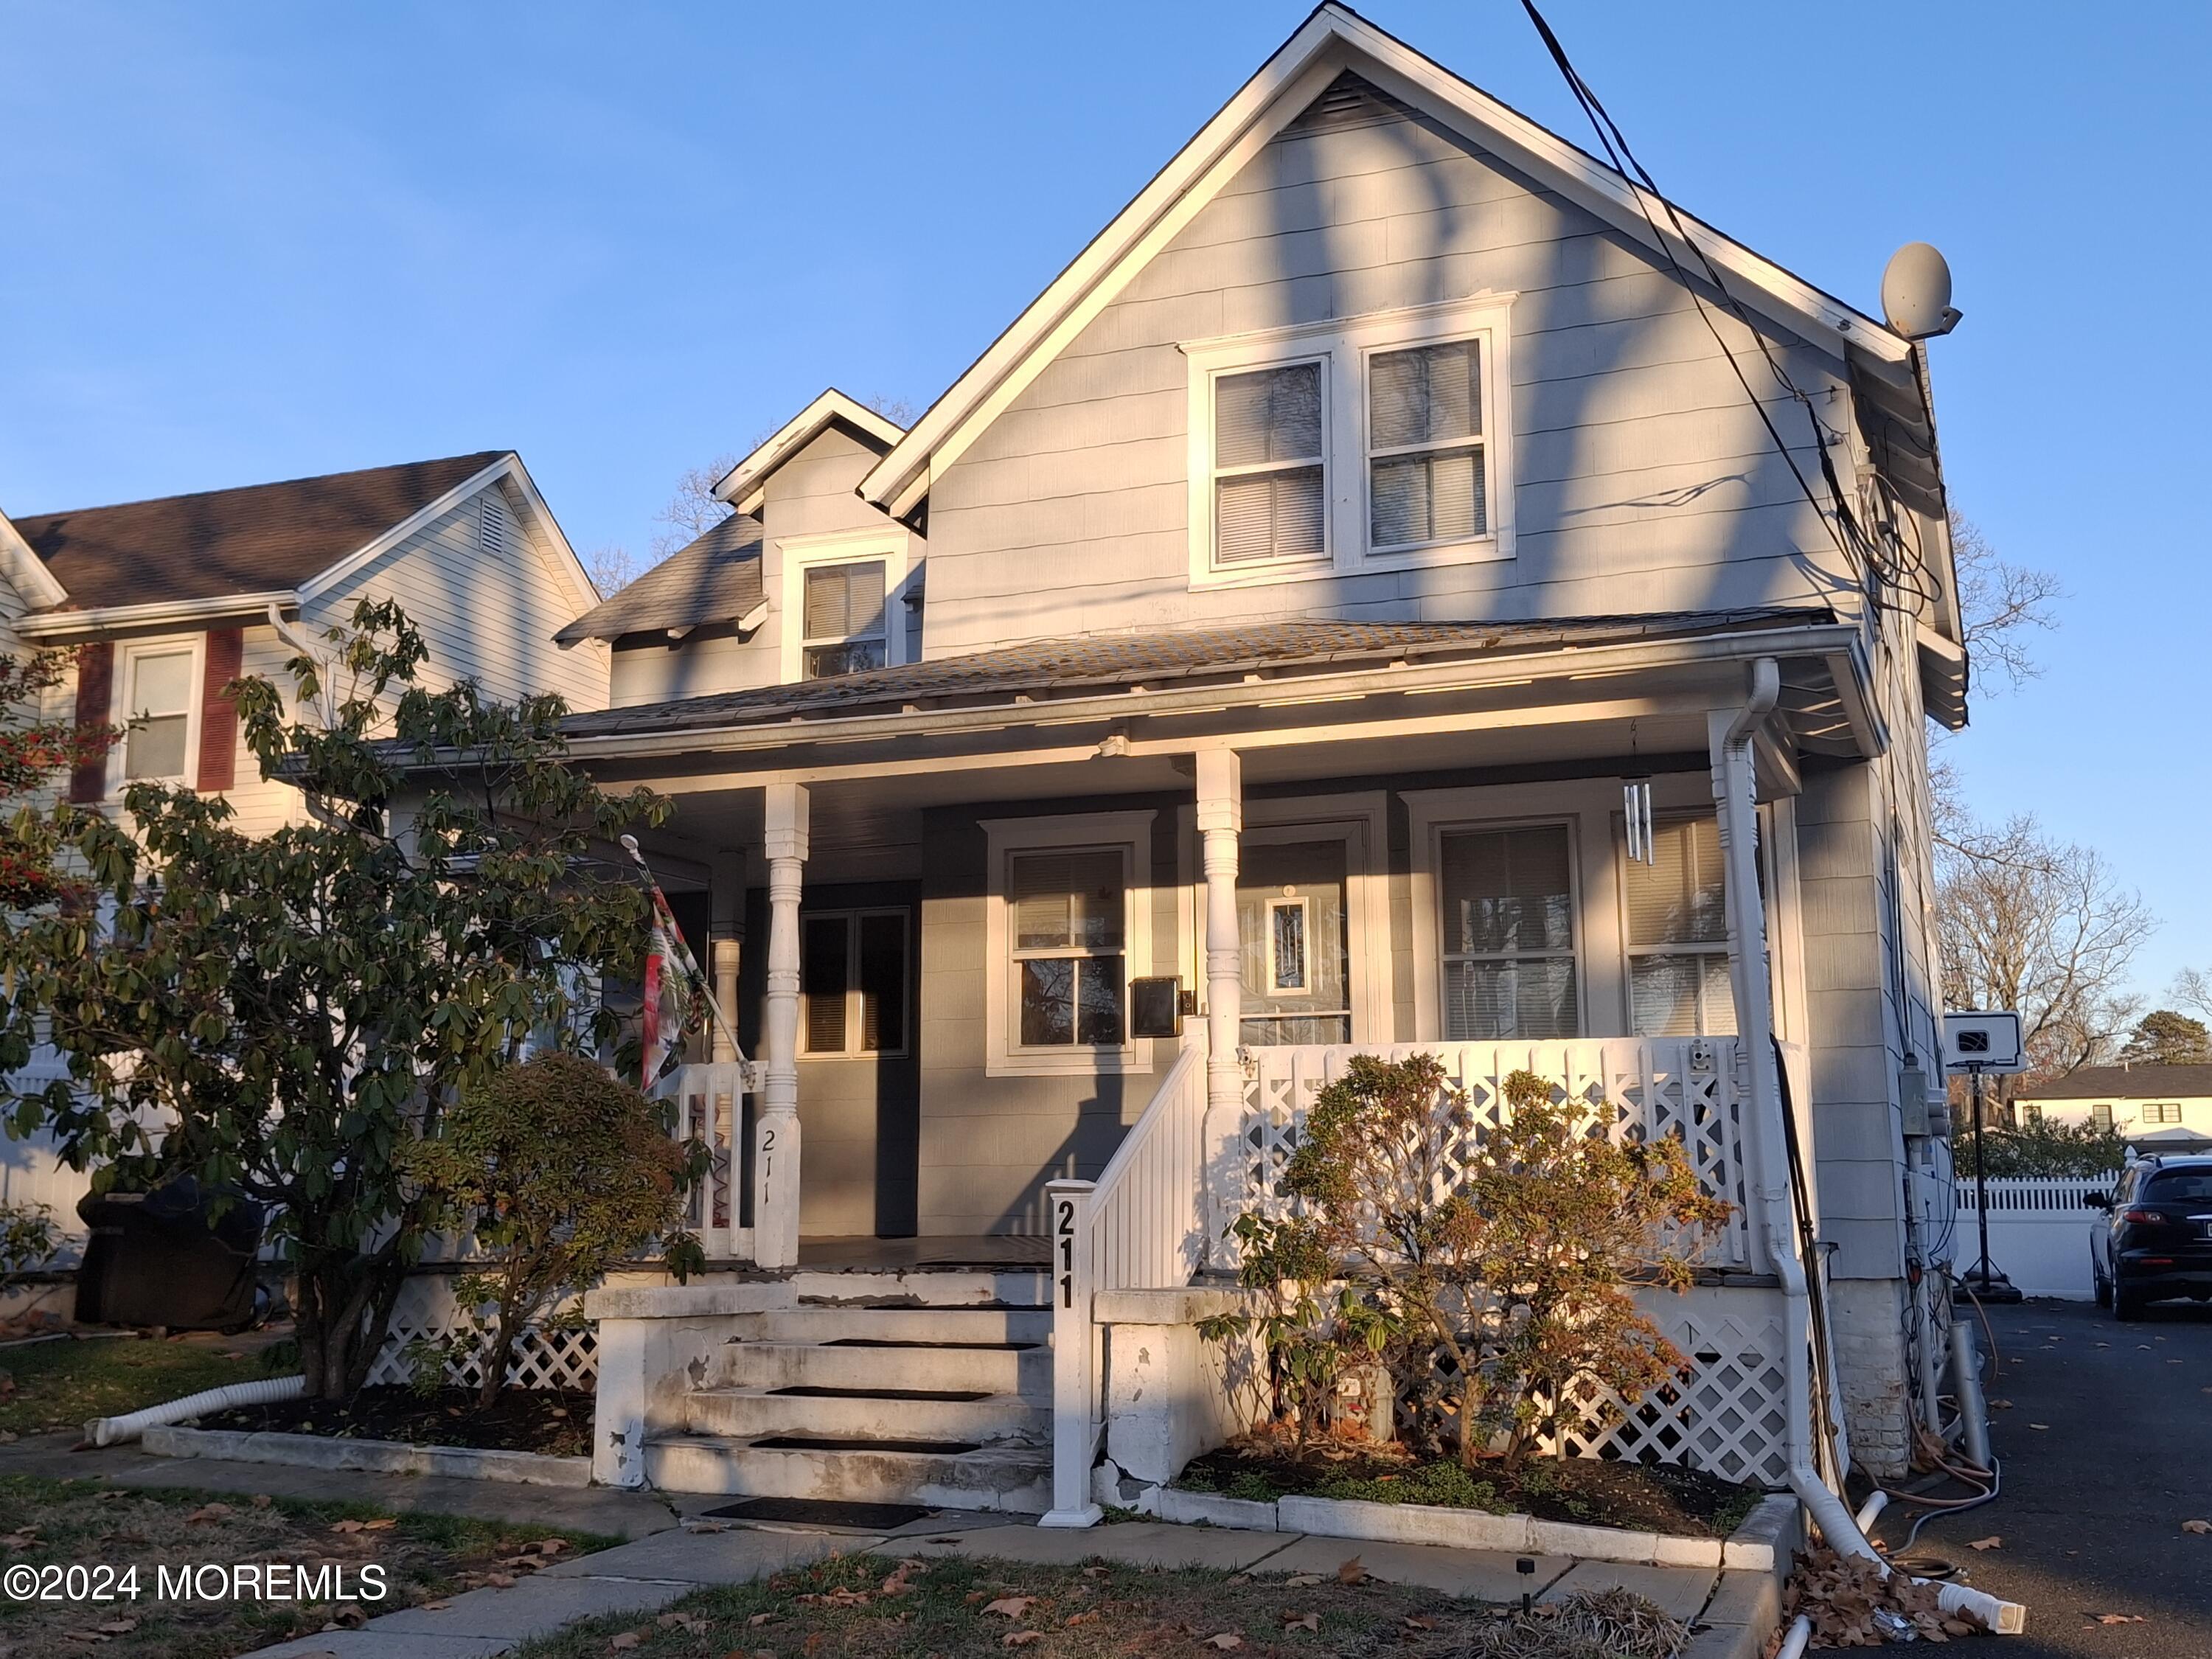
2126,1083
1332,39
218,543
741,485
715,578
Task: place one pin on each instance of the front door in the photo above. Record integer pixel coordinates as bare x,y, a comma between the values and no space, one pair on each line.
1292,914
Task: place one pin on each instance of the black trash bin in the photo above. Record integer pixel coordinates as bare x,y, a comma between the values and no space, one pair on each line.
163,1258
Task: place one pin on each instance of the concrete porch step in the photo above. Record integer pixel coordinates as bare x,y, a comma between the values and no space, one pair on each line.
1024,1371
920,1287
935,1326
760,1414
1014,1479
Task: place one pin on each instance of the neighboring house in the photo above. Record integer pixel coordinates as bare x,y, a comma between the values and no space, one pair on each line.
1317,574
162,603
2146,1103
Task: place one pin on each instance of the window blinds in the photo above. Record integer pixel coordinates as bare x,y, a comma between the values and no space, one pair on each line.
845,601
1426,481
1269,495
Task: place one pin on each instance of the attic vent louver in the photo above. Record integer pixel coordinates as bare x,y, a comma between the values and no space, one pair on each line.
494,529
1348,101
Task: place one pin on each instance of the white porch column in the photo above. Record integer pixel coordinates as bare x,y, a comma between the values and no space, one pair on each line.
1750,979
724,949
775,1188
1221,822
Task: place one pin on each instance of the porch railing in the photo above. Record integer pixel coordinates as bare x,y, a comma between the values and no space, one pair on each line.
710,1100
1148,1209
1636,1087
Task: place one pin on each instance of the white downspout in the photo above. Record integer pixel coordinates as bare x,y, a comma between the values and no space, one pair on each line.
1734,787
292,638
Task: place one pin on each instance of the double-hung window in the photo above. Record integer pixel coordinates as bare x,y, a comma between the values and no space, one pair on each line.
853,982
1426,483
1270,471
2162,1111
843,619
158,688
1508,898
1677,933
1374,441
1070,914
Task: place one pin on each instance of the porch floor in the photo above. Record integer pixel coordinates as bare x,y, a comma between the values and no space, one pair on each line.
949,1251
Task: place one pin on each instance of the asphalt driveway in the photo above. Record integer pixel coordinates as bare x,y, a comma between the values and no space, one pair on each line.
2106,1450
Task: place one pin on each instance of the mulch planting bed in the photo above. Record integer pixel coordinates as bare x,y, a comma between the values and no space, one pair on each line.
50,1526
1590,1491
874,1607
554,1421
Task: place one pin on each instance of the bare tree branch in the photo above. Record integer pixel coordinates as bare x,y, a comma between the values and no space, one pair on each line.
2001,606
692,511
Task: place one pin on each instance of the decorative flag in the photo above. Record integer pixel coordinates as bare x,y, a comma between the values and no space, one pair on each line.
675,990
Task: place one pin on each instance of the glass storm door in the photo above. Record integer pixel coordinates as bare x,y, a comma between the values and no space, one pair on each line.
1291,915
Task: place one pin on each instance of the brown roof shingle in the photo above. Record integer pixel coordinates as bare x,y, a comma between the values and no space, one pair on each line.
716,578
2124,1082
256,539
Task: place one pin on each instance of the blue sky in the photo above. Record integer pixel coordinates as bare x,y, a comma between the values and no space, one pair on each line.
258,240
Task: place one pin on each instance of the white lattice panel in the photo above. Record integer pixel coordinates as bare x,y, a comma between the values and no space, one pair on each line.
543,1358
1634,1088
1726,1418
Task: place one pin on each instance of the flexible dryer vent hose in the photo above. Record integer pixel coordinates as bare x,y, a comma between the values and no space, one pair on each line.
114,1431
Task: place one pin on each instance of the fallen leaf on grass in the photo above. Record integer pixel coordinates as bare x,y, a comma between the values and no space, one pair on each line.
437,1605
1302,1621
261,1500
1413,1621
1351,1572
1098,1572
207,1512
1300,1580
1012,1606
1020,1638
1227,1640
690,1623
2196,1526
118,1627
760,1618
626,1641
1992,1542
500,1580
1075,1619
347,1526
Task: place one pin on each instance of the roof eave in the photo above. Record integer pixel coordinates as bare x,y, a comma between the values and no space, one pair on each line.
116,618
832,407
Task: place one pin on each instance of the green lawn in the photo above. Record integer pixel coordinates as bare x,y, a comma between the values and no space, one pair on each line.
63,1385
420,1557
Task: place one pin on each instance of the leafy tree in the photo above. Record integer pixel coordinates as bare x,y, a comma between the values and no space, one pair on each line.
561,1172
1514,1264
298,1008
2164,1037
2039,1147
35,755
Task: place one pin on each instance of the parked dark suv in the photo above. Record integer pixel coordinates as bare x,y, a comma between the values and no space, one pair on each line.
2156,1239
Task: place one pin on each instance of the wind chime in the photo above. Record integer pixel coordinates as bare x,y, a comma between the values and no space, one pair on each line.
1636,808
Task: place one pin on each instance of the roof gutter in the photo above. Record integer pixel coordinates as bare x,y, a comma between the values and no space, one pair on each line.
46,624
1824,639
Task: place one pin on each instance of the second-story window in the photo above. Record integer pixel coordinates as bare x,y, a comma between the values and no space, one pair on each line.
158,708
843,619
1424,463
1270,502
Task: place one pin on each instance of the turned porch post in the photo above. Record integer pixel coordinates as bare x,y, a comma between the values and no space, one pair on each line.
1221,822
776,1192
724,951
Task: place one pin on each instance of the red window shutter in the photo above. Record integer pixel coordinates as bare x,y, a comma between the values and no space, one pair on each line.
226,657
95,696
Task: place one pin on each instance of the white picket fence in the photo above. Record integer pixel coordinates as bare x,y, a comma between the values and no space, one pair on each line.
2039,1231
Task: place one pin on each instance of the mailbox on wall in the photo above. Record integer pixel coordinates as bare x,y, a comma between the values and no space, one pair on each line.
1156,1007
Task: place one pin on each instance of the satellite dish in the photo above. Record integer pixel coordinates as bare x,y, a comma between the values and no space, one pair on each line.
1916,293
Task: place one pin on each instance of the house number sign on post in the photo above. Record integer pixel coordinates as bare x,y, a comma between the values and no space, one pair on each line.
1075,1389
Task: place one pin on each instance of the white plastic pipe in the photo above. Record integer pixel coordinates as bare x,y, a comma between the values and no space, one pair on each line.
114,1431
1793,1643
1734,792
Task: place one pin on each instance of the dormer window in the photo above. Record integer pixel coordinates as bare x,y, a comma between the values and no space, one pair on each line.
843,619
1360,443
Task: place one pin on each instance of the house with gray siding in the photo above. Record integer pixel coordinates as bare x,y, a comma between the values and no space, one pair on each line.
1359,607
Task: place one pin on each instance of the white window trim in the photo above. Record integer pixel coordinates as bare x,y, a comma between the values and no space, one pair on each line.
854,1008
1129,834
893,546
1343,346
126,655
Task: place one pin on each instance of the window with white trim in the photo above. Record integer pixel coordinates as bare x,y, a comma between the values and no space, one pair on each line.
1676,933
158,688
1070,946
1507,898
1360,441
843,619
1425,478
852,983
1270,475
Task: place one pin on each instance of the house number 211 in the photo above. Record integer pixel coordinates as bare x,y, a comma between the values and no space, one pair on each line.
1065,1230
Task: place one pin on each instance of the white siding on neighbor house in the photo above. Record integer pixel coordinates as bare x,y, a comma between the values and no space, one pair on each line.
1644,479
813,493
491,617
